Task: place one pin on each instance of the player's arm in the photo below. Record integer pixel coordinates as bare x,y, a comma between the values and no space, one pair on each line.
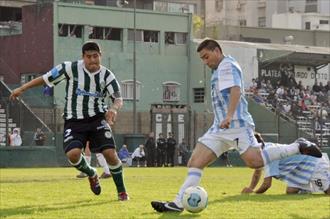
117,101
230,79
265,185
20,90
235,95
254,181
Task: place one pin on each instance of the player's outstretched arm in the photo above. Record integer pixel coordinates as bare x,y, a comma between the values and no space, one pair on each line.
265,185
20,90
235,94
254,181
111,115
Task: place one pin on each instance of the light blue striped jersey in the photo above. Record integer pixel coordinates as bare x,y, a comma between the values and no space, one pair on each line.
297,169
227,75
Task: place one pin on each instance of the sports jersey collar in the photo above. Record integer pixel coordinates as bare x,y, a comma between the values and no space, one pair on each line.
214,70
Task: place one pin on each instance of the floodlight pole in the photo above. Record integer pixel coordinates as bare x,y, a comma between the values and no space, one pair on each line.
134,72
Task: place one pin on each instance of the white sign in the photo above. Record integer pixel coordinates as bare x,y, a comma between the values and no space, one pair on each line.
307,75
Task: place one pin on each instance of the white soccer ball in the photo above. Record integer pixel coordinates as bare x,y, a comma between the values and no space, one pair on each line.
194,199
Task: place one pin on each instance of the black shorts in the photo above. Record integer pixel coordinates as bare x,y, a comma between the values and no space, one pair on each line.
94,129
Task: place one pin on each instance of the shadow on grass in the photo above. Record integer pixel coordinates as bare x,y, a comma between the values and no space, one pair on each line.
31,209
170,215
266,198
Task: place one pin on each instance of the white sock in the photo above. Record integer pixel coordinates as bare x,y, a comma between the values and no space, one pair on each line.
88,159
193,179
103,163
279,151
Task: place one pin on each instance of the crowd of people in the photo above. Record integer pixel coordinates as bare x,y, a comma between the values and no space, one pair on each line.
14,138
160,152
293,99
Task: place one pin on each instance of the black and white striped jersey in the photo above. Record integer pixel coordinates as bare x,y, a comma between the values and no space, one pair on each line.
85,92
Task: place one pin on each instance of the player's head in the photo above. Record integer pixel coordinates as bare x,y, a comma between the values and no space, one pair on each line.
210,52
91,54
259,139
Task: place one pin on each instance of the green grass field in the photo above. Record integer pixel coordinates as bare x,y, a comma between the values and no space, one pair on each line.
56,193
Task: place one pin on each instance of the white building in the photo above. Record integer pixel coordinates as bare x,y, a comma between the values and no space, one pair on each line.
301,21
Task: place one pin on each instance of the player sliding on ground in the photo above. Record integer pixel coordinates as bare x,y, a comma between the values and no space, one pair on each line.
301,173
233,126
86,116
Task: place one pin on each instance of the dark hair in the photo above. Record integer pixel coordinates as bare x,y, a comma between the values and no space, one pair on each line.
209,44
90,46
259,139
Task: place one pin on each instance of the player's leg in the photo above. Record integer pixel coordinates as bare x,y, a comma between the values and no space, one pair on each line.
74,142
292,190
103,163
116,170
210,147
88,156
256,158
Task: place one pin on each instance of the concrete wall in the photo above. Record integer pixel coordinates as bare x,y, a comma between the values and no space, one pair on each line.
32,51
275,35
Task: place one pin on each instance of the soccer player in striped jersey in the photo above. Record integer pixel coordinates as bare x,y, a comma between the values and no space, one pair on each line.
87,117
301,173
233,126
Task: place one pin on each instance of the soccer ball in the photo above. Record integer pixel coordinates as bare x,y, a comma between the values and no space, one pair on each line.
194,199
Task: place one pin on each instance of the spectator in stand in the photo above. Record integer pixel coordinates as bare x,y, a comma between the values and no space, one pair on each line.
15,138
263,86
292,81
316,88
327,87
280,92
295,109
286,108
150,146
161,150
39,137
123,154
303,106
269,86
170,149
183,152
322,88
256,97
300,86
139,155
253,85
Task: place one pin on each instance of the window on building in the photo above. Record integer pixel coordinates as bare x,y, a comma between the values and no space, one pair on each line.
242,22
70,30
171,91
199,94
174,7
105,33
26,77
307,25
160,6
112,33
262,22
138,35
324,22
150,36
180,38
169,37
127,89
2,78
311,6
175,38
218,5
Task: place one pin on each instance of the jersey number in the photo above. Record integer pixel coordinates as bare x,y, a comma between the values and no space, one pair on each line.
236,139
318,182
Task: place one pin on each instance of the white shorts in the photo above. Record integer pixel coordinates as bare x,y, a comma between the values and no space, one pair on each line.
240,139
